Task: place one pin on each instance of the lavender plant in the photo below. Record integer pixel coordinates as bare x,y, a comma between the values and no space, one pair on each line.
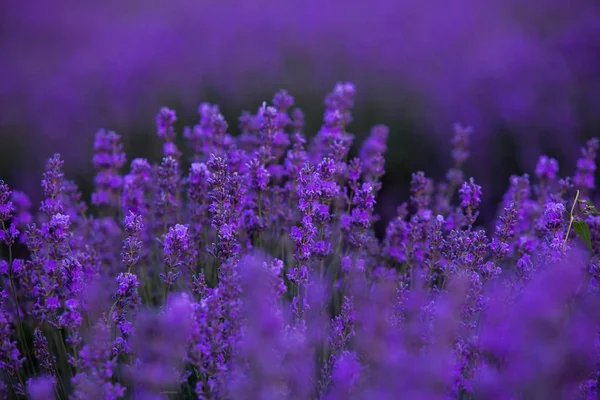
248,267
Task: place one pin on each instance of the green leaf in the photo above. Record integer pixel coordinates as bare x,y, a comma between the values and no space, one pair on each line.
582,229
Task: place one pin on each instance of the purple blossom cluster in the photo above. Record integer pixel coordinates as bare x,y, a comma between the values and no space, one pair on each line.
247,266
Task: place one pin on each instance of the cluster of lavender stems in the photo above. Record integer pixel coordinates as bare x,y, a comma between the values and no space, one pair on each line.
247,267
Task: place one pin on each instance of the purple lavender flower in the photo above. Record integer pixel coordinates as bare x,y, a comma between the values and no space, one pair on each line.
96,367
40,388
229,292
207,349
470,199
460,143
546,168
53,186
256,199
501,243
198,188
470,195
283,101
166,200
126,300
8,233
76,208
586,166
345,377
132,245
42,353
136,187
333,140
342,99
396,240
109,158
474,301
6,206
22,215
161,343
341,333
210,135
11,359
371,155
355,226
179,254
285,369
553,217
460,153
421,189
165,119
222,208
509,328
525,268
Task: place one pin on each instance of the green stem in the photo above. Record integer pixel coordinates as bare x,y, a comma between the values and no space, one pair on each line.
571,220
20,326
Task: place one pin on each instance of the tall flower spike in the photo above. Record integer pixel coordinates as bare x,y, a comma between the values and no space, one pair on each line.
470,199
333,140
165,121
178,252
22,205
96,367
356,225
166,201
199,202
132,245
53,186
345,377
546,168
8,235
136,187
421,189
210,135
551,226
42,353
546,171
253,368
222,185
342,99
165,124
371,155
10,357
396,243
283,101
505,232
584,177
161,343
108,159
460,153
126,299
341,333
6,206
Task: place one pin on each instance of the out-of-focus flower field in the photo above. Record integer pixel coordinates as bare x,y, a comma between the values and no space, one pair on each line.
518,72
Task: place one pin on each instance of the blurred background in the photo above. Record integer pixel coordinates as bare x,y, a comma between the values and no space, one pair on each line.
525,75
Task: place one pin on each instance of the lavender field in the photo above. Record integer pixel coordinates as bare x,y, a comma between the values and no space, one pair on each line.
413,217
247,267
